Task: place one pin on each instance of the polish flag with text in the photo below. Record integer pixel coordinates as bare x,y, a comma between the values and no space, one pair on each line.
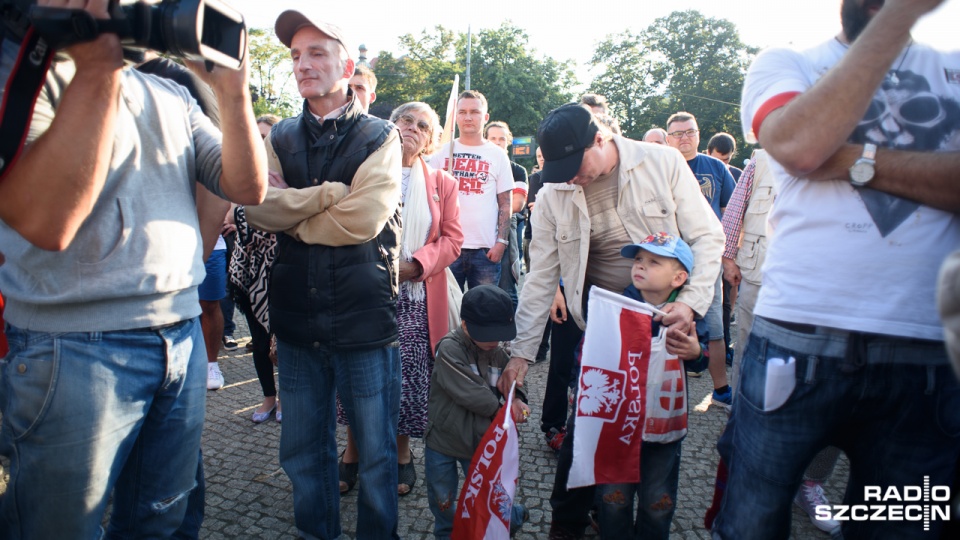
630,390
486,498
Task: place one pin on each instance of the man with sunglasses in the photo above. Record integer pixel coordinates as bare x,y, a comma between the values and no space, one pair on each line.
717,186
847,348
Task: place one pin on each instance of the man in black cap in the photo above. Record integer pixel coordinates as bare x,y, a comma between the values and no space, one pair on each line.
601,192
334,284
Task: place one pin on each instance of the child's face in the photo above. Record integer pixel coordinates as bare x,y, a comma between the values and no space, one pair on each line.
482,345
656,274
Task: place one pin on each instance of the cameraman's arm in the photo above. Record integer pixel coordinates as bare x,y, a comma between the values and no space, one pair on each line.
243,179
49,192
211,211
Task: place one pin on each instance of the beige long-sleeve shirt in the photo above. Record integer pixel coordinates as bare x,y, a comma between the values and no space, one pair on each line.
333,213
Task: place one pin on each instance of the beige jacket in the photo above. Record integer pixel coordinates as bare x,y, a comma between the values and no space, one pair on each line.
333,213
755,232
658,192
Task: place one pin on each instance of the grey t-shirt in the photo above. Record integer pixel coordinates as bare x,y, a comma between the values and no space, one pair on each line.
136,260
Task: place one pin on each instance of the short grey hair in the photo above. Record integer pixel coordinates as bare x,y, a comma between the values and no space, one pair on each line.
421,107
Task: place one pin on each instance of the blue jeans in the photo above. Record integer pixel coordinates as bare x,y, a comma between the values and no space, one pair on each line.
656,496
443,488
368,382
473,268
193,519
657,491
875,397
90,413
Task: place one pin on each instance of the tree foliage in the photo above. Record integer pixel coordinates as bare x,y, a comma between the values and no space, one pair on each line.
271,78
681,62
521,87
422,72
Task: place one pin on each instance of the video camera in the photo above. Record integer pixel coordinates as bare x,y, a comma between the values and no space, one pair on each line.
208,30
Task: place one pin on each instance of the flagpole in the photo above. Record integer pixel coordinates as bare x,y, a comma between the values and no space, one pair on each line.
509,405
450,124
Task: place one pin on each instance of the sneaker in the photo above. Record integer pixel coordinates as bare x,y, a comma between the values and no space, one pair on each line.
524,517
230,344
695,374
724,400
555,438
214,376
808,498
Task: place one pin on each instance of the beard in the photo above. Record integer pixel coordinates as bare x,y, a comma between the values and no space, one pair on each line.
855,17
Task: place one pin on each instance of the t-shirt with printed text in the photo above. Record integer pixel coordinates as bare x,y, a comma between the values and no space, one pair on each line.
482,172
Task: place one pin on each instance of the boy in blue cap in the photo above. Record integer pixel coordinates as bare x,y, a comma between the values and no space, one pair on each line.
661,265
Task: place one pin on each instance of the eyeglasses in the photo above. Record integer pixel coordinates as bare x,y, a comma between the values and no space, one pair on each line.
679,134
407,120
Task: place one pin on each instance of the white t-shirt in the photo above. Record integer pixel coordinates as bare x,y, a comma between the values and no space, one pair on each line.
859,259
482,172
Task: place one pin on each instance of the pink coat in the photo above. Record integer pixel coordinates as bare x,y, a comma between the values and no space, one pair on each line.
442,247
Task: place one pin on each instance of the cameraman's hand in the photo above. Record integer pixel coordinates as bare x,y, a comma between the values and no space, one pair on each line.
101,54
225,82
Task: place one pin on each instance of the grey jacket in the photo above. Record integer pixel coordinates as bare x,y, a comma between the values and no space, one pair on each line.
462,401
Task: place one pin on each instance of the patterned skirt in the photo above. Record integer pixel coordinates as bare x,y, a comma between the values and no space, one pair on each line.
416,367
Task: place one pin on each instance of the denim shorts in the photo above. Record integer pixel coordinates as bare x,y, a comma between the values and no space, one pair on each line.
714,317
214,286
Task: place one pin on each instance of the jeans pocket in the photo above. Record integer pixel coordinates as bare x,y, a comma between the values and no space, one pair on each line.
767,377
29,378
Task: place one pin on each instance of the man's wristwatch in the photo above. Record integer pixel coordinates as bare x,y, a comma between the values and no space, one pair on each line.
502,241
861,173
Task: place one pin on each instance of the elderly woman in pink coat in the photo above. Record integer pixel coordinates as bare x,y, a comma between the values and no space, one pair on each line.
431,241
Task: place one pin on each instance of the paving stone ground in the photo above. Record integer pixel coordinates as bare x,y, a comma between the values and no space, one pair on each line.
250,497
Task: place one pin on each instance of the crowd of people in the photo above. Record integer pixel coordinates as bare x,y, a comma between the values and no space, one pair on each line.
402,286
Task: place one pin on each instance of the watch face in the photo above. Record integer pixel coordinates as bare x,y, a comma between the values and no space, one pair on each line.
861,173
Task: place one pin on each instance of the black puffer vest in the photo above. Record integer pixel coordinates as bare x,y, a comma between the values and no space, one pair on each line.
333,297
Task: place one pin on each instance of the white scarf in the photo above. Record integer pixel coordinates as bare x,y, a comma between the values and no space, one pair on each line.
416,224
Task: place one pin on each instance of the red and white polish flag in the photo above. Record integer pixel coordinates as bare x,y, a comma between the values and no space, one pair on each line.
630,390
486,499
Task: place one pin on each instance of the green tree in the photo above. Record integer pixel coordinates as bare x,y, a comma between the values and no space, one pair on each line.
520,86
272,84
423,71
681,62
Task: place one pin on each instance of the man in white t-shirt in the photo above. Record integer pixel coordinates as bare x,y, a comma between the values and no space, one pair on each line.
847,346
486,183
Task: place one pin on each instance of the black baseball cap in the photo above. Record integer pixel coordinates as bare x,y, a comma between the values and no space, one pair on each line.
488,312
563,136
